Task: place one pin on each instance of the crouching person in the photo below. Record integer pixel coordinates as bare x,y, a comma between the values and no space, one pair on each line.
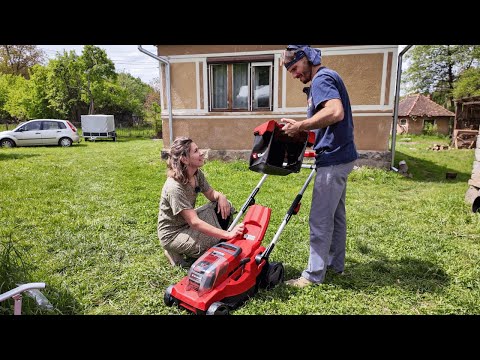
186,232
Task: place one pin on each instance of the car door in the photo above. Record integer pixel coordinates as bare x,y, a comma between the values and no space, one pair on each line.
52,131
29,134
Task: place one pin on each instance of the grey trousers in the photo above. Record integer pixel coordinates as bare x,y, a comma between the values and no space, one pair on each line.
328,224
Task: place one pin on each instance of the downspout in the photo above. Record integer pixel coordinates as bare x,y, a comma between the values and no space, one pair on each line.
397,100
169,98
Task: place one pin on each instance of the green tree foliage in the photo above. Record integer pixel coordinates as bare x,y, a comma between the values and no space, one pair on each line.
65,85
69,85
468,84
153,111
5,85
97,68
18,59
40,90
13,100
434,69
17,103
125,98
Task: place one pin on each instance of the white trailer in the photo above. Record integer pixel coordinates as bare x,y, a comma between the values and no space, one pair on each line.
98,126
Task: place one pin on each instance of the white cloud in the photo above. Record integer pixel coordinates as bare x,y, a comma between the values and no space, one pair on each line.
127,58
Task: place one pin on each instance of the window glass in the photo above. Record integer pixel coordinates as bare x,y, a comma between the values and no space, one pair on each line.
33,126
261,84
53,125
240,86
219,86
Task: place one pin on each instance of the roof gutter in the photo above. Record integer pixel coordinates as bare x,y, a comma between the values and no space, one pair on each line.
397,100
169,98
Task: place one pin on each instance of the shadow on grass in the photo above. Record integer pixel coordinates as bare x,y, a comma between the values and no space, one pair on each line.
425,170
122,139
13,156
411,274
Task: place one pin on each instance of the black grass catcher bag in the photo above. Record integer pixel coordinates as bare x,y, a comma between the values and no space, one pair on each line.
276,153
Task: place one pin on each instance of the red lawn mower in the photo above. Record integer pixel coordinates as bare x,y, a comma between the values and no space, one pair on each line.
227,274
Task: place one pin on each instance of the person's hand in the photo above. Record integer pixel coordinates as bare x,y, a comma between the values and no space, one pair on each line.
223,206
236,231
291,127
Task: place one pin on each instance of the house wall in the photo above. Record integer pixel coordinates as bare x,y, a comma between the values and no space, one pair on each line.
415,126
366,71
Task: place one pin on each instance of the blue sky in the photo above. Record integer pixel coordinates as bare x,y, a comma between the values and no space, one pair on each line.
127,58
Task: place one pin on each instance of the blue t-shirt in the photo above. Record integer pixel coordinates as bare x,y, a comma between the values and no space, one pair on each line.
334,144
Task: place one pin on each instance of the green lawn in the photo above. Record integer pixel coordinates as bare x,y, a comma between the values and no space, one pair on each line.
83,220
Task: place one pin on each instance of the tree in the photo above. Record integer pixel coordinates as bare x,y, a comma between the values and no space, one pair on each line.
16,102
125,97
434,69
468,84
97,68
65,85
18,59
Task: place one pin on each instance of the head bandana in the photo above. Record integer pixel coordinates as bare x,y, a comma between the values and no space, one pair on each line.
293,53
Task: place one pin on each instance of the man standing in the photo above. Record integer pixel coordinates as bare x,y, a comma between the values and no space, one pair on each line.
329,115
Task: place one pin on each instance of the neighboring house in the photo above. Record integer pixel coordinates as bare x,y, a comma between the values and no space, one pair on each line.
416,111
220,93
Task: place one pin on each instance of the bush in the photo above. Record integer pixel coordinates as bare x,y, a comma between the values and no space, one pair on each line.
429,129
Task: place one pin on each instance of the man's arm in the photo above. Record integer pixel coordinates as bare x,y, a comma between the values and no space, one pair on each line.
331,113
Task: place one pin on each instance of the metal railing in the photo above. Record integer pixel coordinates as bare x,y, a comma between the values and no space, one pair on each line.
16,295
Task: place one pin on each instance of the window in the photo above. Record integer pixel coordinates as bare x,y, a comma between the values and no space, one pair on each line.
241,83
428,124
403,121
35,125
53,125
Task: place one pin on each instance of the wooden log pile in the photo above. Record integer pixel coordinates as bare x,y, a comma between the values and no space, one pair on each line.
474,183
464,138
437,147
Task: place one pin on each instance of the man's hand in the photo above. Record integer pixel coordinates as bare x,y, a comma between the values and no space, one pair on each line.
291,127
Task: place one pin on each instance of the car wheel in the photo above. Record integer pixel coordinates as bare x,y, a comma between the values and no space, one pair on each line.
7,143
65,142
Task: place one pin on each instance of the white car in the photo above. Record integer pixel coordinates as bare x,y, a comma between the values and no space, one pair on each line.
41,132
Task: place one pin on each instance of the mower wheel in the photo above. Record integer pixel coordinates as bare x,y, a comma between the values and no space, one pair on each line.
274,275
218,308
167,297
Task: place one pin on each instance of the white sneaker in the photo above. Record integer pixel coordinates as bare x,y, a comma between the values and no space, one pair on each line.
301,282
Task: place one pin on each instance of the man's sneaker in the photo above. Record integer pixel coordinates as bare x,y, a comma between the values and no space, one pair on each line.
175,259
300,282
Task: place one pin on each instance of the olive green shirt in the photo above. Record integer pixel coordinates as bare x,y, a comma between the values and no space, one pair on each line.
175,198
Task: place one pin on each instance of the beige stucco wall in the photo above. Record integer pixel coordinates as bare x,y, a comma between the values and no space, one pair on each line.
184,86
231,134
362,74
169,50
